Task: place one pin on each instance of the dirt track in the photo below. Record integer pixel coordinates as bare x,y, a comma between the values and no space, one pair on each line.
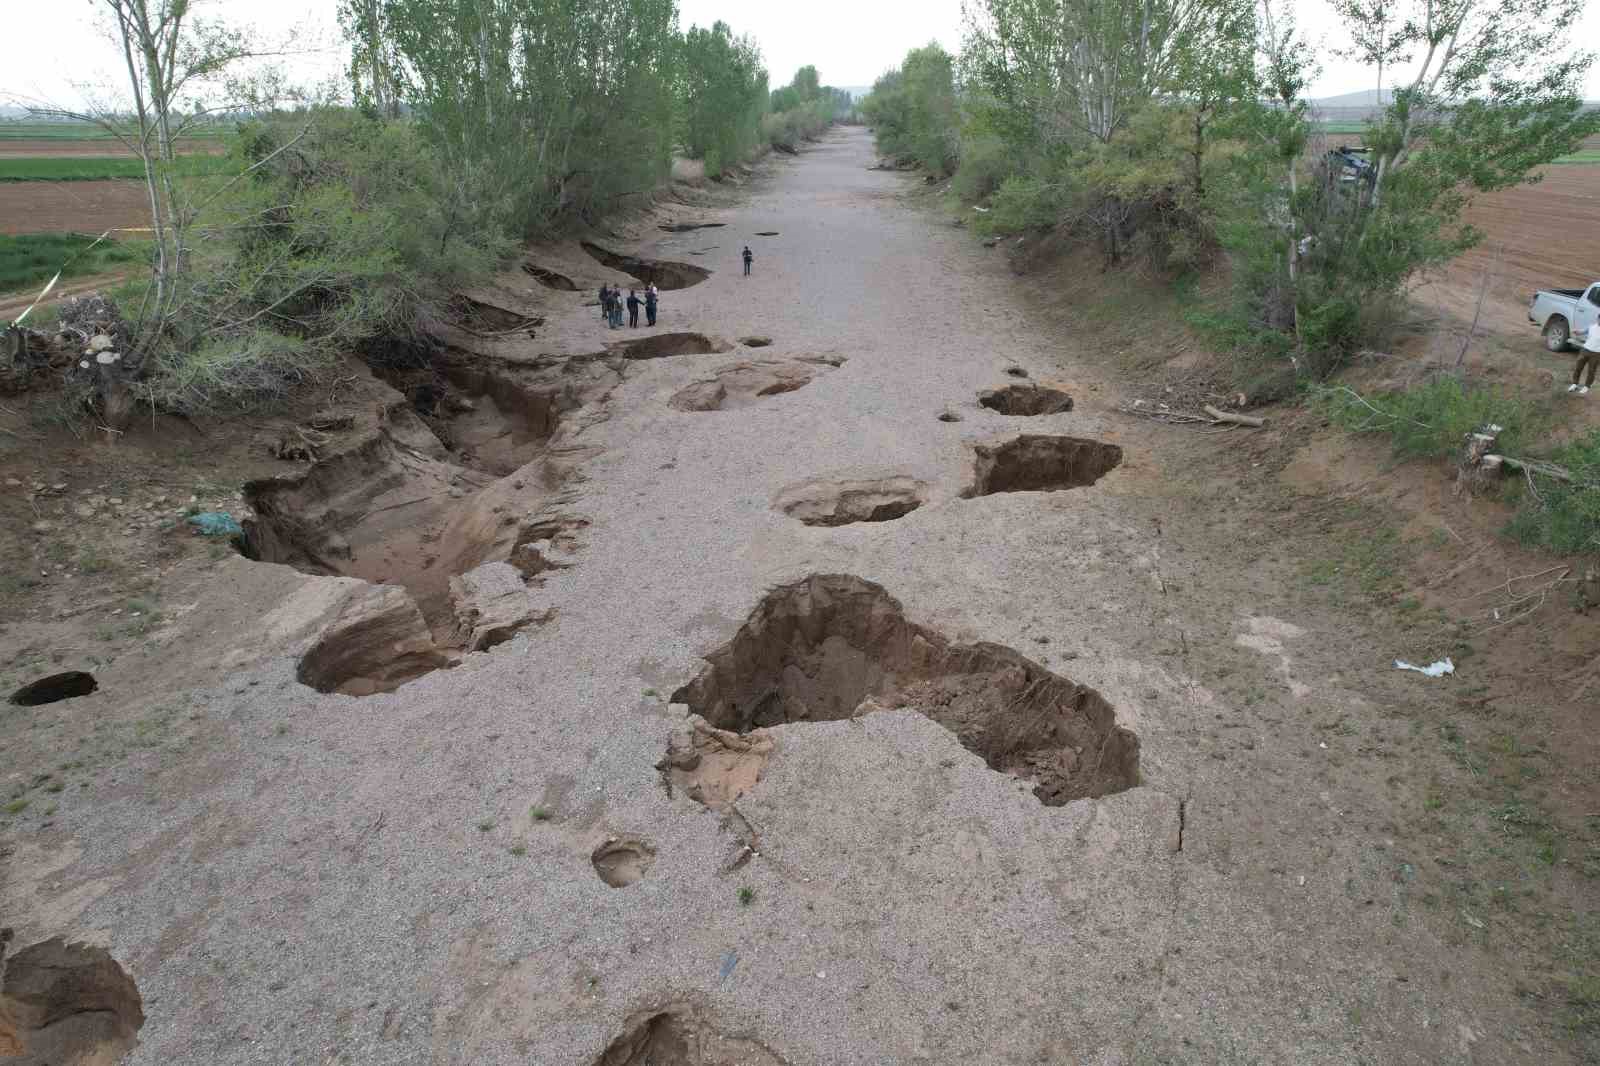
424,876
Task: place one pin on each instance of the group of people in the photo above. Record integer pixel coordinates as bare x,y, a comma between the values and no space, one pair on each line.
612,302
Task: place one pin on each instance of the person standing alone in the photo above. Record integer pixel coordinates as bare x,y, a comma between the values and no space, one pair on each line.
748,256
1588,355
633,309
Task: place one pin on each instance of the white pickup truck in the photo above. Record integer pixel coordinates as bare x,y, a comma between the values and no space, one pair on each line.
1562,314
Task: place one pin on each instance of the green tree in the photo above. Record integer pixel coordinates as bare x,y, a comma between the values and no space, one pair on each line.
913,109
722,94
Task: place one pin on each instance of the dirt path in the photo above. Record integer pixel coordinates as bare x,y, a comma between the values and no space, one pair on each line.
485,866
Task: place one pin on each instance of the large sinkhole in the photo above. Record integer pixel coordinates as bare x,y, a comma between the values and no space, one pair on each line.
1026,400
66,1004
426,497
833,646
662,273
431,505
1034,463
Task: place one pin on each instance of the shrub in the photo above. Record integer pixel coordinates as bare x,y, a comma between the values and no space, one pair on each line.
354,236
985,164
1432,418
1563,516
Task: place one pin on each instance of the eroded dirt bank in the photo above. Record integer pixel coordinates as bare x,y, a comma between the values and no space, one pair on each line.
484,866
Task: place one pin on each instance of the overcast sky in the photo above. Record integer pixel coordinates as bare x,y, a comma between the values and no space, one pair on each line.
850,41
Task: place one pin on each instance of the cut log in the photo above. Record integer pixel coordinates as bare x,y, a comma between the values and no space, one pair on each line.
1219,415
1549,470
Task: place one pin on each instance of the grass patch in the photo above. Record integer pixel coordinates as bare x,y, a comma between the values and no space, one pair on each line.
101,167
540,814
1590,156
31,258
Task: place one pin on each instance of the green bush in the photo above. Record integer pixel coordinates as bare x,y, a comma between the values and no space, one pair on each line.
1563,516
1432,419
355,237
1022,202
985,164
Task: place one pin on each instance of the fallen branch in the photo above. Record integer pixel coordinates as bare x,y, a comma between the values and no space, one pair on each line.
1534,466
1220,415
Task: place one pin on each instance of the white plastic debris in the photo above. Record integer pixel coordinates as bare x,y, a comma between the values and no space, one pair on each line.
1438,669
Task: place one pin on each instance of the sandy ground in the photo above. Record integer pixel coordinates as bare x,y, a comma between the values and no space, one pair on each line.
296,878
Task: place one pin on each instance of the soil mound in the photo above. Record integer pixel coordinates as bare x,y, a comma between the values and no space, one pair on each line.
713,766
56,687
690,227
833,646
1026,400
662,273
682,1034
66,1004
744,384
1032,463
840,503
756,342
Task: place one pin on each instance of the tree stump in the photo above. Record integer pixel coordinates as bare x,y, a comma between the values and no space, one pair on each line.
1478,469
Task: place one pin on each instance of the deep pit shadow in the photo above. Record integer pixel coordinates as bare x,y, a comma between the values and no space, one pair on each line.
666,345
63,1004
662,273
1026,400
65,686
833,646
682,1033
1036,463
549,278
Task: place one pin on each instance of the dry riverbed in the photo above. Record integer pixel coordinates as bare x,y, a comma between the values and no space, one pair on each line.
834,653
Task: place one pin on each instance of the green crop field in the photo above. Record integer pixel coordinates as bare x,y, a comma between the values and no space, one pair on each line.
96,168
30,259
1585,155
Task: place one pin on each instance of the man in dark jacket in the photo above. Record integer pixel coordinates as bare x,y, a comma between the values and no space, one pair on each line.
748,255
633,309
605,303
650,305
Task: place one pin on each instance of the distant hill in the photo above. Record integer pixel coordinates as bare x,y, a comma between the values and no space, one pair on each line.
1360,98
